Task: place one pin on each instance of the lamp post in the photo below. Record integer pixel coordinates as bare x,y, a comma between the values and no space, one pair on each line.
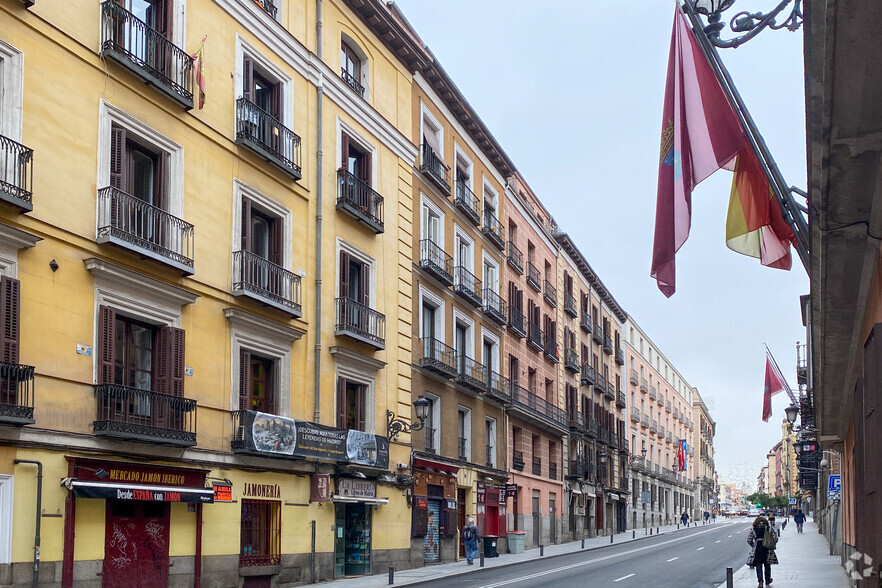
394,425
790,413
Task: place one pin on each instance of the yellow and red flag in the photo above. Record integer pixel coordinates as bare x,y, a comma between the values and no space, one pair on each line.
199,69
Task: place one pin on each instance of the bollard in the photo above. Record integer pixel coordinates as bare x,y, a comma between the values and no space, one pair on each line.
611,538
633,534
583,543
541,550
729,581
656,530
391,575
678,526
650,531
481,545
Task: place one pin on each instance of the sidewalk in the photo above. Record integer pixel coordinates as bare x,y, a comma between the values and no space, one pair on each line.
453,569
804,561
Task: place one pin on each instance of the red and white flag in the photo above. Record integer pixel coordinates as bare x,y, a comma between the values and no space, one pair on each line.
774,383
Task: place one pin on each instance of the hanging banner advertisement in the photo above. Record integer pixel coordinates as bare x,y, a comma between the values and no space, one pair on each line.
320,488
267,433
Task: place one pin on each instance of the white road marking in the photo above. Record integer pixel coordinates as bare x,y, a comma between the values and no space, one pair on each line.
673,558
699,549
623,578
718,540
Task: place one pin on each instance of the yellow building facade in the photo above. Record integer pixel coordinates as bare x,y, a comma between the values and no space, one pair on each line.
207,311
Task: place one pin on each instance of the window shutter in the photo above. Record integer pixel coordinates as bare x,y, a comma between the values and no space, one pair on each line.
366,168
344,151
244,380
10,312
246,225
165,17
361,408
420,520
247,78
276,103
160,181
344,275
106,340
118,158
170,362
276,240
272,393
448,528
341,403
365,284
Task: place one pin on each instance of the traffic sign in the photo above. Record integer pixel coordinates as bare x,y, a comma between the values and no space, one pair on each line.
834,483
792,501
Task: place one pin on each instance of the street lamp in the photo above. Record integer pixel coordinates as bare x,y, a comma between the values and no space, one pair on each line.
394,425
791,412
748,23
634,458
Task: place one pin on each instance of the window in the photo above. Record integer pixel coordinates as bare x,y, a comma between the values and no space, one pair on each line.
433,419
550,394
432,221
491,274
260,88
261,232
490,436
464,256
353,66
351,404
490,351
355,279
433,138
532,381
514,369
491,205
261,533
11,84
138,170
464,339
257,385
463,427
10,293
355,159
463,168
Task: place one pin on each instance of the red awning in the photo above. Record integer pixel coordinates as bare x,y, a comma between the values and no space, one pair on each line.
426,464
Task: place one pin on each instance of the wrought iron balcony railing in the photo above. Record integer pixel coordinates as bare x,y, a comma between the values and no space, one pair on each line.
360,201
516,321
576,468
359,322
620,355
610,390
644,386
633,377
467,202
537,408
585,322
16,174
577,421
661,431
146,52
537,466
676,413
552,470
435,169
493,229
570,305
16,394
268,137
667,405
517,460
268,7
430,440
607,345
588,375
471,374
644,421
515,258
462,448
262,280
352,82
571,361
592,428
550,293
653,393
435,261
534,276
635,414
498,387
653,426
437,357
552,351
467,285
491,456
494,306
535,337
620,399
131,223
597,334
600,383
143,415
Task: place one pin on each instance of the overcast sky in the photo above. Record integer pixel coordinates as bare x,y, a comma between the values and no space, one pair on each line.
573,92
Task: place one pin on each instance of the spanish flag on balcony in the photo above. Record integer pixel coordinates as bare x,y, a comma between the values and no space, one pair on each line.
199,69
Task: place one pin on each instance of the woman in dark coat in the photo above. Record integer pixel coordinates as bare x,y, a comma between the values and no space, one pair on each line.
759,556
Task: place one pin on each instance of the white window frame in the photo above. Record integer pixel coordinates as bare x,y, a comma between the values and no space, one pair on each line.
267,339
490,194
459,154
361,257
268,206
428,296
427,206
109,115
466,430
487,335
269,69
359,141
436,419
11,91
461,234
354,372
11,240
491,441
7,511
460,317
364,64
428,120
491,261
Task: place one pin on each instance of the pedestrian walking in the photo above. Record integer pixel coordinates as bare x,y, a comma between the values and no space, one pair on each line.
799,519
684,518
706,516
762,540
470,536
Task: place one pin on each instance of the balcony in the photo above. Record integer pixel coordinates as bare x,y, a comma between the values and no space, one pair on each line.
653,426
570,305
600,383
597,335
653,393
264,134
16,394
607,345
605,435
132,224
466,201
147,53
435,169
515,258
620,355
610,392
268,7
358,322
661,431
676,413
437,357
537,409
498,387
644,386
266,282
534,278
585,322
535,337
131,414
537,466
552,471
16,174
550,293
516,322
493,230
588,375
517,461
620,399
467,285
471,374
635,415
644,421
352,82
669,437
435,262
359,201
592,428
577,421
552,351
668,405
571,361
494,306
577,468
633,377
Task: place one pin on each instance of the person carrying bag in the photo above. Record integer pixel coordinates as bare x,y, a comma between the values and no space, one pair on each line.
763,540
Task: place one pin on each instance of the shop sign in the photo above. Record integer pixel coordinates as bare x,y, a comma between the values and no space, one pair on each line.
132,473
222,492
482,492
267,433
613,496
261,490
320,488
511,490
356,488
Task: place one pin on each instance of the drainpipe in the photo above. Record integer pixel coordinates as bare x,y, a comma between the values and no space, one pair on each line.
317,328
39,510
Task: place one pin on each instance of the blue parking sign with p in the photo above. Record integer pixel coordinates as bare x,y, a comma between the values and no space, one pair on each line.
834,483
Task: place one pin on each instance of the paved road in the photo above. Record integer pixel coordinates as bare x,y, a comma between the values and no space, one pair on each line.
696,557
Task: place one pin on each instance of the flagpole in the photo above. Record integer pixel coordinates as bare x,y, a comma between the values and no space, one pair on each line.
789,208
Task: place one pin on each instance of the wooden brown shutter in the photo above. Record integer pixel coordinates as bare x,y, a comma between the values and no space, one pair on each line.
420,520
170,362
118,167
247,78
10,312
276,240
344,151
160,180
366,168
341,403
244,380
361,406
276,105
164,18
365,285
271,392
448,519
344,274
106,340
246,225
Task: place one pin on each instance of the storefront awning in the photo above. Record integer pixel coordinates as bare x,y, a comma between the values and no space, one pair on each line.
437,466
576,491
117,491
589,494
354,499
